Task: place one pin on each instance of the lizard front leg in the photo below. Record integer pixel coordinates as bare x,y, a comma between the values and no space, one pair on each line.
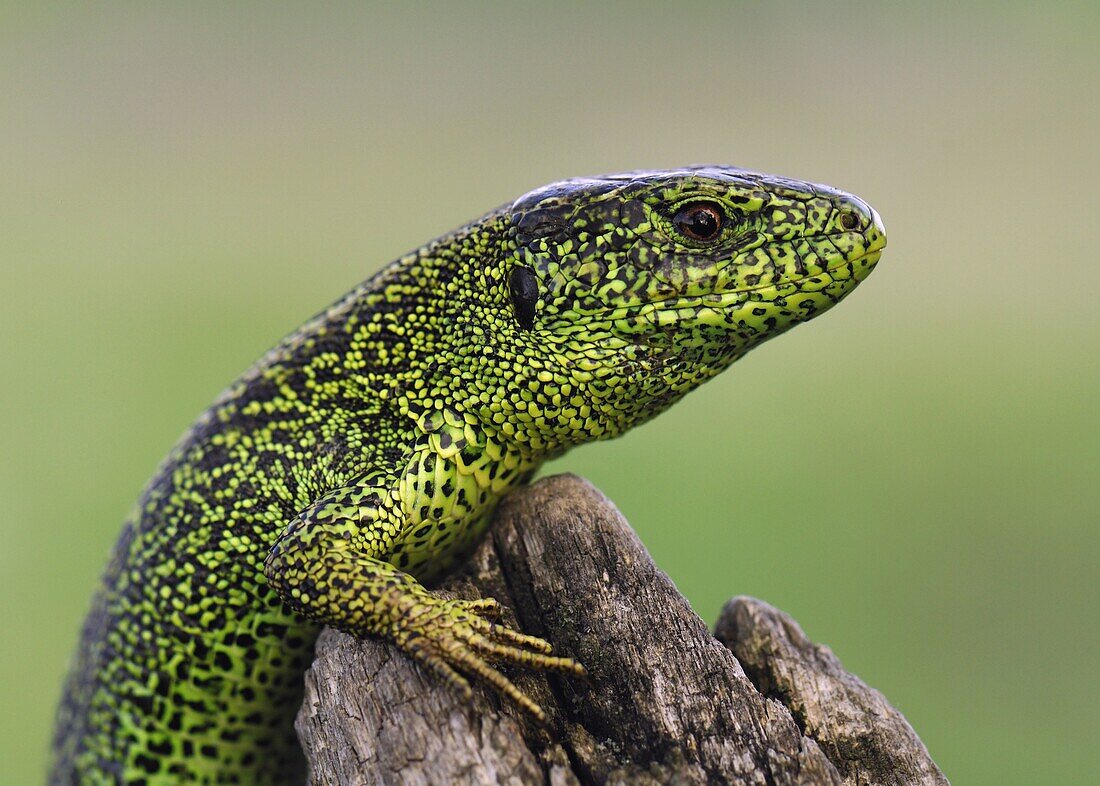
330,564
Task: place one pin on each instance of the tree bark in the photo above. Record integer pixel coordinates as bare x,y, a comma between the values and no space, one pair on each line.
664,702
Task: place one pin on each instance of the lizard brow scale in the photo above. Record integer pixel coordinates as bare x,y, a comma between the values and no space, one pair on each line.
365,454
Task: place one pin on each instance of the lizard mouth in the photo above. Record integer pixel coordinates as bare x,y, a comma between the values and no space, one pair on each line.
861,267
865,261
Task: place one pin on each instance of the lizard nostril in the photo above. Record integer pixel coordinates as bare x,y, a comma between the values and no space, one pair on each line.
849,220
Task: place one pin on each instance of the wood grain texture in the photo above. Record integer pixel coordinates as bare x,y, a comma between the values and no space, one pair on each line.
867,740
665,702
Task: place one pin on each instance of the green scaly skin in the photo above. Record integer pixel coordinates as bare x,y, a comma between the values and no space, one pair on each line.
366,453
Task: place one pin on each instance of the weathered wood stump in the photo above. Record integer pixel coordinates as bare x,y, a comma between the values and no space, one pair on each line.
665,701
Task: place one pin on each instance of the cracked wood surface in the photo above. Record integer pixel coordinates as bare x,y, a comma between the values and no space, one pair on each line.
664,702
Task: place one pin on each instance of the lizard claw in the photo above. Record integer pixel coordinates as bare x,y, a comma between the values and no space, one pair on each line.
454,636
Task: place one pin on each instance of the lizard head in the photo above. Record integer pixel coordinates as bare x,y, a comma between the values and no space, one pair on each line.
635,288
705,256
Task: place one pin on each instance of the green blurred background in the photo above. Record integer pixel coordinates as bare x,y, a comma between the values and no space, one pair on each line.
913,477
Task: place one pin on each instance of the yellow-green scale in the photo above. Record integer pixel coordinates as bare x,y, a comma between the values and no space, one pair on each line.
365,454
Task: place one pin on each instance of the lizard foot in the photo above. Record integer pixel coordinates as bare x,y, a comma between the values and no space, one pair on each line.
453,636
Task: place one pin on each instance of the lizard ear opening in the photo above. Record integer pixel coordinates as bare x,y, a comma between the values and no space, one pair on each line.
524,288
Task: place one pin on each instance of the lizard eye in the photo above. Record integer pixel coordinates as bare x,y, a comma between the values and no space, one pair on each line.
524,288
701,221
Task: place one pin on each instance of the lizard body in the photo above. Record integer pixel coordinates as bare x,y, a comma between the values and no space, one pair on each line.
366,453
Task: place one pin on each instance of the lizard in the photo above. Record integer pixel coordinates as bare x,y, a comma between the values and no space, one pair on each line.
362,458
